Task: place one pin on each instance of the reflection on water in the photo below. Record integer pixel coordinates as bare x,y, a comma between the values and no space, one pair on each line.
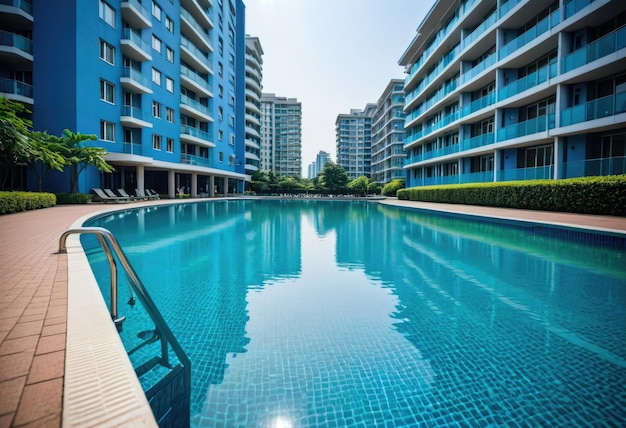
309,313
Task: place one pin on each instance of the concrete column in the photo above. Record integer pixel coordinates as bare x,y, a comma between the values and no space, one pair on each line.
225,187
211,186
559,150
140,178
194,185
497,164
171,184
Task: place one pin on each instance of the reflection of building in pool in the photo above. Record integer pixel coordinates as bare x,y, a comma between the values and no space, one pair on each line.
499,91
156,82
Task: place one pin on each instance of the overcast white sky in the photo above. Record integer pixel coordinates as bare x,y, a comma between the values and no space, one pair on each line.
332,55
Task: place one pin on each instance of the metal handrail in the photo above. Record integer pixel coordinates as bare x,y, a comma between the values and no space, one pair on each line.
110,245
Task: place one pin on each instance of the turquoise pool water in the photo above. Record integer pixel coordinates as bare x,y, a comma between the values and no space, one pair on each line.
314,313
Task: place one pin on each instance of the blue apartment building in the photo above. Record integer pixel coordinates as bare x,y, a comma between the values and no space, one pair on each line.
160,82
502,90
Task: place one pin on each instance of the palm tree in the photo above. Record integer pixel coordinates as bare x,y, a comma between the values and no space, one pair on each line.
80,156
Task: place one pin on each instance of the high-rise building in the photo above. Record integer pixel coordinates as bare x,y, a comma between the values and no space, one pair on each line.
513,90
353,133
156,82
254,89
281,135
388,153
321,159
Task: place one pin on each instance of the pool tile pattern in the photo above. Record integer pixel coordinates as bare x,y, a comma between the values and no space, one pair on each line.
33,309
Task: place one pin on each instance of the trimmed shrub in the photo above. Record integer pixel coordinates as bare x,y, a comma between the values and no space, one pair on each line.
391,188
11,202
604,195
73,198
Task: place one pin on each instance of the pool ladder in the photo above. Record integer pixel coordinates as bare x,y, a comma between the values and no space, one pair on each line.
179,375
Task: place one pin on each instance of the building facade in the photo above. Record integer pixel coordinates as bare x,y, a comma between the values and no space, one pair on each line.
254,90
388,155
317,165
281,135
514,90
158,82
353,133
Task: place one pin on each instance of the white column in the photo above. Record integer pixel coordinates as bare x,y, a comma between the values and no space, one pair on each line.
171,184
194,185
211,186
140,178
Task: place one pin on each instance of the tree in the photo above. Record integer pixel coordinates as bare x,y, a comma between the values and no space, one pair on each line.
15,142
362,185
333,177
48,153
391,188
288,183
81,156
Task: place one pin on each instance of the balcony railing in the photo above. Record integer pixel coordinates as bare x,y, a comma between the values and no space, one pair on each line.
481,29
195,160
26,6
136,76
593,167
432,75
479,68
529,81
193,49
604,46
527,127
476,177
595,109
574,6
195,132
478,104
186,100
15,87
128,34
135,113
478,141
531,34
202,81
133,149
16,41
537,173
443,92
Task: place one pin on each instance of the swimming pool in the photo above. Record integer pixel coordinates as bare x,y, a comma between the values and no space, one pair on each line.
314,313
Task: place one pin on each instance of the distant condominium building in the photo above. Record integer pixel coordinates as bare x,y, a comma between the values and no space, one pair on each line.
281,135
388,155
354,141
160,83
254,90
317,165
514,90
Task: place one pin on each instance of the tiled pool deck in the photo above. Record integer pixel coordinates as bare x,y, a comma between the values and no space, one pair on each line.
34,300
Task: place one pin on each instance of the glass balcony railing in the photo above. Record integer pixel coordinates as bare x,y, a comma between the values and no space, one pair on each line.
479,68
531,34
193,49
537,173
195,160
593,167
476,177
529,81
26,6
15,87
436,72
574,6
16,41
133,149
193,23
527,127
203,81
188,101
195,132
136,76
595,109
443,92
478,141
478,104
135,113
137,5
506,7
604,46
128,34
480,30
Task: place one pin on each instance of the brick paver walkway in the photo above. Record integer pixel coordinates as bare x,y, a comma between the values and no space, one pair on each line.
33,302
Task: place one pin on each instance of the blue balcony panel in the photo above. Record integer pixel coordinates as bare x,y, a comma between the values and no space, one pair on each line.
595,109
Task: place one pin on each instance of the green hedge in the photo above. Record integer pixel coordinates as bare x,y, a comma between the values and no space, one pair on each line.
73,198
11,202
587,195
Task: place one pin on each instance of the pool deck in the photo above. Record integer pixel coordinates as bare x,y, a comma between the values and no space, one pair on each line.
34,298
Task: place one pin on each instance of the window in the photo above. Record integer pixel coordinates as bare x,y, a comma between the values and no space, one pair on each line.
107,13
220,69
220,113
107,131
221,156
156,76
169,84
107,52
231,121
220,135
107,91
156,43
169,54
232,100
169,24
156,109
156,11
156,142
169,114
538,156
232,140
220,45
169,145
220,90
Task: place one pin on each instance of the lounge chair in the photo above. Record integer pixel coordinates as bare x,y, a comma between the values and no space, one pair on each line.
145,194
123,193
104,197
110,193
153,193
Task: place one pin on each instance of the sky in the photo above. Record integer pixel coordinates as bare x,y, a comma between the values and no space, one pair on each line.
332,55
